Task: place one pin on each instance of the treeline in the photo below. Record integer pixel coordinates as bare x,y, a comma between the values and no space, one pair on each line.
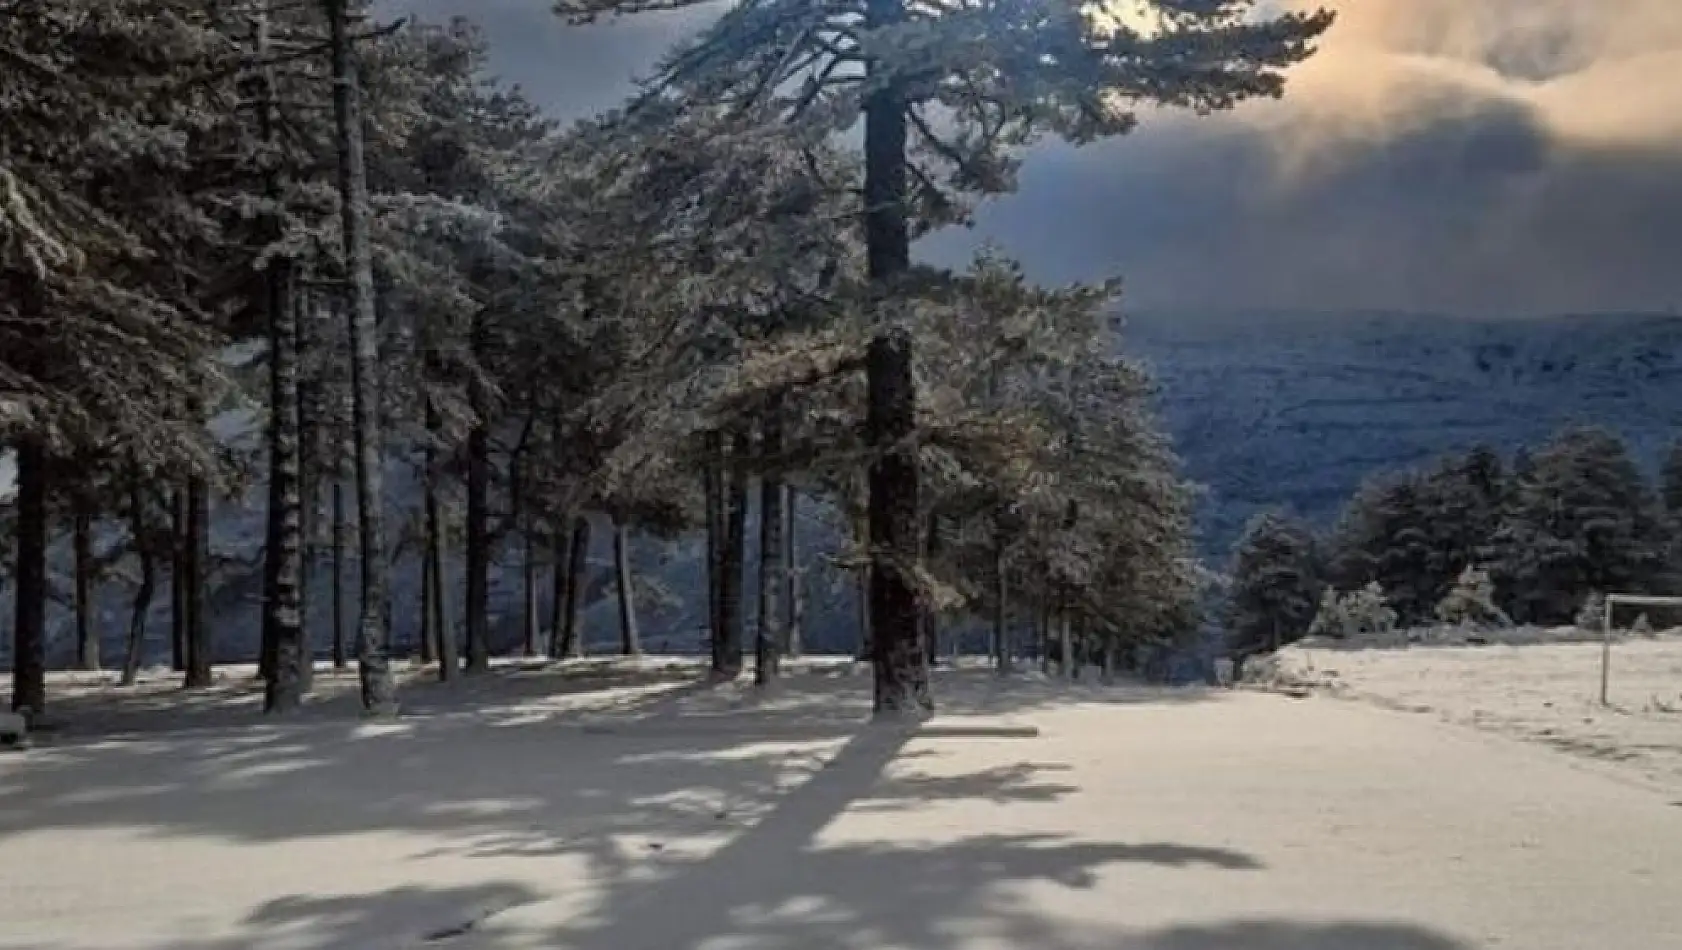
1475,538
228,215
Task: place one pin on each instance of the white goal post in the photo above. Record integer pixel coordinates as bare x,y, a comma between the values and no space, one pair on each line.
1626,600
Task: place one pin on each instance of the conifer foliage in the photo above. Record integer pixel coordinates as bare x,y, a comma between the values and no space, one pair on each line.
481,334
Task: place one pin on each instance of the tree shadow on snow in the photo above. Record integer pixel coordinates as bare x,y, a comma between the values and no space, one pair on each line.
690,811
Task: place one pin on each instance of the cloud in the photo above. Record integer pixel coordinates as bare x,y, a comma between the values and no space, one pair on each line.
1505,156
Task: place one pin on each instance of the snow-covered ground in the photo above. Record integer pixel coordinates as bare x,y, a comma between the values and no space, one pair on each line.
1536,685
616,806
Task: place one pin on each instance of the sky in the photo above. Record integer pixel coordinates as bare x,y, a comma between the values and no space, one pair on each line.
1492,157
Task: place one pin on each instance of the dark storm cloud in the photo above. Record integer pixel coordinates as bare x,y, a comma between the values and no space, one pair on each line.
1505,156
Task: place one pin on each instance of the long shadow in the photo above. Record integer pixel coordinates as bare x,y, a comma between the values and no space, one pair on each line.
621,790
778,884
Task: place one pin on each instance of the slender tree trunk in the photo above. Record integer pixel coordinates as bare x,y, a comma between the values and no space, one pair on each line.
340,528
442,623
199,648
578,566
87,631
728,657
178,581
901,668
309,482
478,532
630,637
1042,635
559,576
793,646
142,607
931,618
29,629
428,635
713,489
379,690
137,618
1001,607
528,586
773,568
1065,642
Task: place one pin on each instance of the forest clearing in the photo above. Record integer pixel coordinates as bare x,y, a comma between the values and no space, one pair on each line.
623,804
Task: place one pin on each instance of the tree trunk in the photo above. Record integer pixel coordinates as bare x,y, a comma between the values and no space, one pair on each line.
148,584
428,636
773,568
728,654
902,672
559,575
630,638
478,548
528,587
87,631
794,573
448,662
713,488
309,483
931,617
578,566
1042,636
1001,607
1065,643
379,691
283,563
29,630
199,650
178,581
340,529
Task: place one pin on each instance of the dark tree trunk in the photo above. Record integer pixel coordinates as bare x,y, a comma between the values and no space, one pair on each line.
713,488
428,635
340,529
728,653
29,629
178,581
199,648
283,562
773,568
379,690
792,645
87,631
142,606
578,567
1065,642
559,574
478,548
630,637
529,620
931,618
309,484
901,668
442,622
1001,606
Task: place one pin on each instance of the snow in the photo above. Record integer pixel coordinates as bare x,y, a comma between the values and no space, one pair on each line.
1537,685
615,805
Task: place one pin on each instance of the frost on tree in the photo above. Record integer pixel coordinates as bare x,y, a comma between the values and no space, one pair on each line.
1471,602
947,92
1353,613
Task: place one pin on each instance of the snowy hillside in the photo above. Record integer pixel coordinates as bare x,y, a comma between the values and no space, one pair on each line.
1296,410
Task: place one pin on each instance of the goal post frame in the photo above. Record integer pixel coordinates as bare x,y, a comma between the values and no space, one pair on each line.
1628,600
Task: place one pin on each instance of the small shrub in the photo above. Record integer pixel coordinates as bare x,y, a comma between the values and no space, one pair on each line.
1353,613
1471,602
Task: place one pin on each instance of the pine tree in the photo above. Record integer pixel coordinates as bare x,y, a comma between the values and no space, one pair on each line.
1583,520
998,89
1274,584
1471,602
